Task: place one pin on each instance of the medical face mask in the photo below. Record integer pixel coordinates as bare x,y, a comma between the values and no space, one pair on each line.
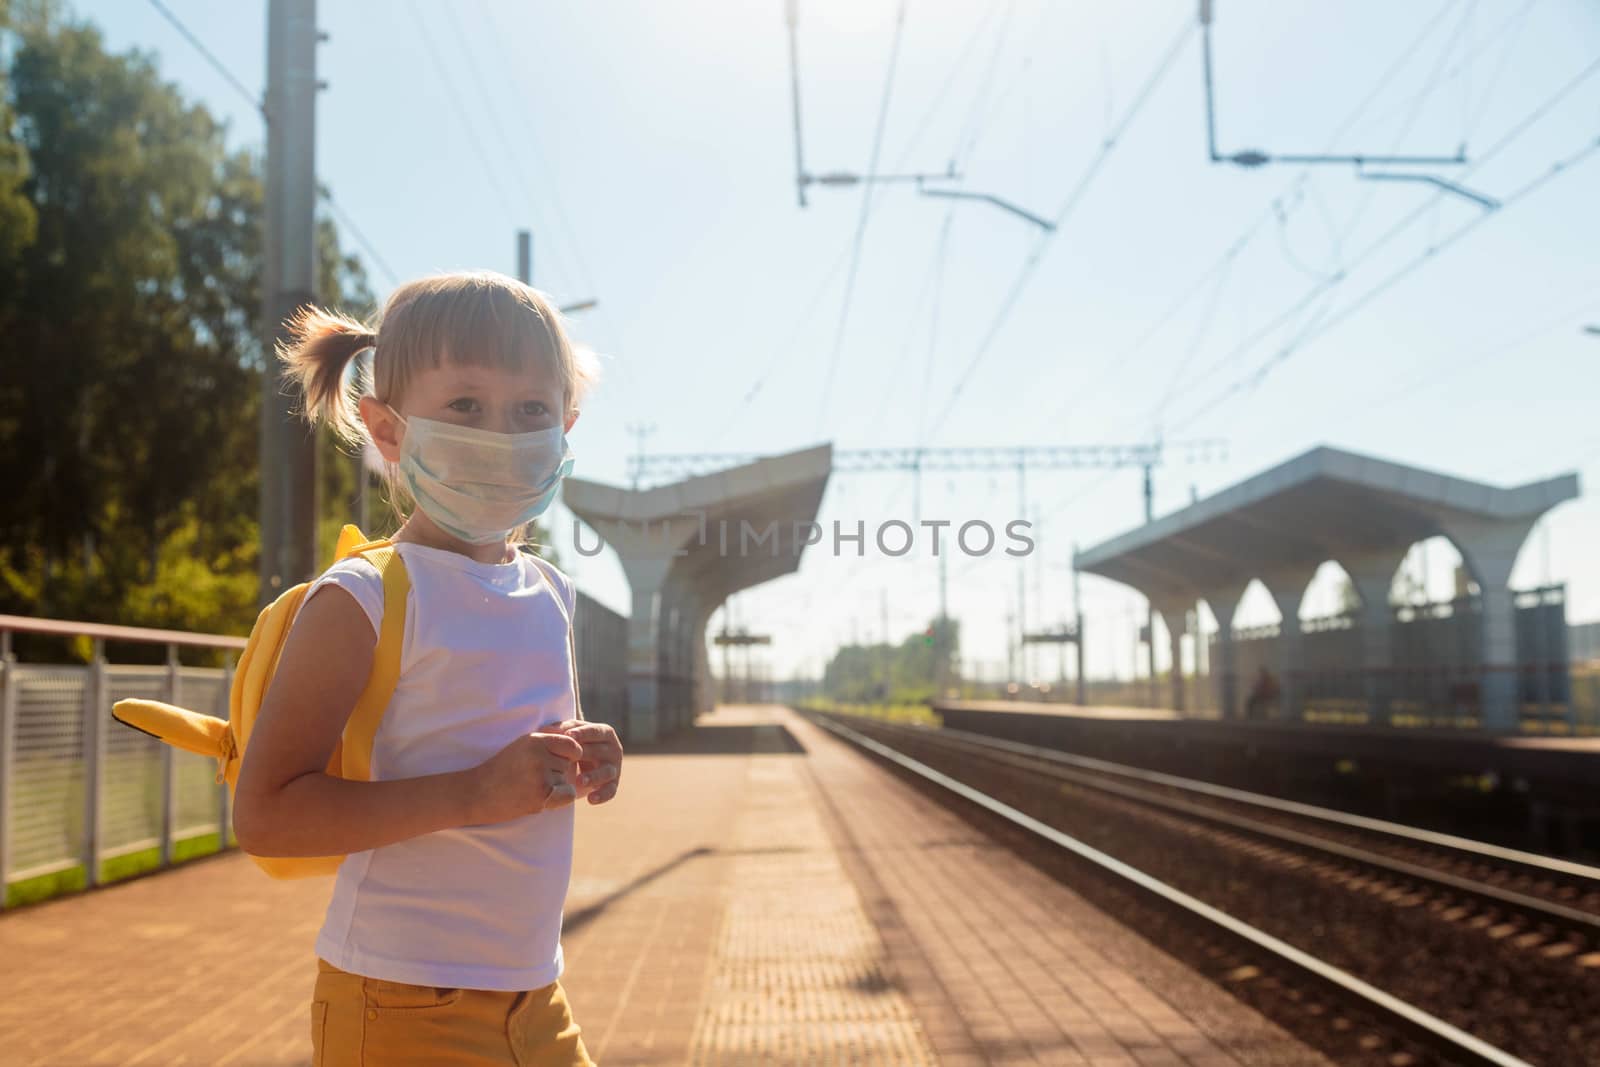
479,485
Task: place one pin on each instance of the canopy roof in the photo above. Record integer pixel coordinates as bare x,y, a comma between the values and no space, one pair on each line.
1324,504
785,490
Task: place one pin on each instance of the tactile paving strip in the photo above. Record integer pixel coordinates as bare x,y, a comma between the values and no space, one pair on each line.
799,974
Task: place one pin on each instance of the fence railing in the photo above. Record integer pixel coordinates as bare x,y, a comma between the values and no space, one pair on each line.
84,800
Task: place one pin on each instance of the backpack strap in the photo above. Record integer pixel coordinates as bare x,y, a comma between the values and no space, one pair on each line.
355,746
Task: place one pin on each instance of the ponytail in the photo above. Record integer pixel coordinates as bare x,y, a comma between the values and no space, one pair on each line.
318,353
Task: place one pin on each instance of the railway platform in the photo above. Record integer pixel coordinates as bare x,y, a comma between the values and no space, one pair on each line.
758,893
1523,791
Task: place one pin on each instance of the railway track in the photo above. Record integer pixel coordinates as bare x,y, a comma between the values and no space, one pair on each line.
1478,954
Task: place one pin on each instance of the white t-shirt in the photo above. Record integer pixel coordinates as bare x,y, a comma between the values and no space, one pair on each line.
484,660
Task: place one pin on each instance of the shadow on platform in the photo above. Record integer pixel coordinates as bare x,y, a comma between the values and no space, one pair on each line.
740,739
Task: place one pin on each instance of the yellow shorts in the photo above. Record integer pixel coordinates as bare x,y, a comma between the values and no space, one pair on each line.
369,1022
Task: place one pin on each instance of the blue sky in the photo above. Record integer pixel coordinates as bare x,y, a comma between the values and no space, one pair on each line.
649,146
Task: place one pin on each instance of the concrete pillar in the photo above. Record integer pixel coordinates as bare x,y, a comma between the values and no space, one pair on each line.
1489,548
1372,577
1288,590
645,577
701,698
1175,617
671,626
647,553
1224,602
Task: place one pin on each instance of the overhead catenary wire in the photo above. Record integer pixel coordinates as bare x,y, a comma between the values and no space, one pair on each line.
790,338
934,269
491,167
973,124
864,215
1306,299
259,104
530,139
1263,369
1122,357
936,103
1429,377
211,57
1430,86
783,351
367,246
1074,197
933,326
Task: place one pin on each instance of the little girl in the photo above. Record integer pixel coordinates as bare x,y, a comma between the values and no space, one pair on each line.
442,940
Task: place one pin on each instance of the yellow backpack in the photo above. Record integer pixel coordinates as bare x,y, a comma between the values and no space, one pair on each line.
225,741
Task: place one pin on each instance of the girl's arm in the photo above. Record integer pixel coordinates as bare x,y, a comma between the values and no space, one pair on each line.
284,802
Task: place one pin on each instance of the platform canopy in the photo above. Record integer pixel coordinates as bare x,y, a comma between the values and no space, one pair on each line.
1327,504
686,547
1324,504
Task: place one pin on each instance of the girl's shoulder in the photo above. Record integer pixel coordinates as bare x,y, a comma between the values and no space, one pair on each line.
557,578
359,578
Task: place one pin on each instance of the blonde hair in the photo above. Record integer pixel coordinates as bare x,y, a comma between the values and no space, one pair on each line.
470,317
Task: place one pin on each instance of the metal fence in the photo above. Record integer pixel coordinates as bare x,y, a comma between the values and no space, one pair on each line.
602,640
79,792
85,798
1436,666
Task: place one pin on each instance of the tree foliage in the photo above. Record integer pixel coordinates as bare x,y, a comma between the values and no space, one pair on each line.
130,323
903,673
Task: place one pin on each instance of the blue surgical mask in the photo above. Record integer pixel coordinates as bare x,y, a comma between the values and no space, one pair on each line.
479,485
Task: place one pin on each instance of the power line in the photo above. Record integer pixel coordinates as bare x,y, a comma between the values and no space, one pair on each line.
1202,330
490,168
781,353
1255,157
866,211
949,82
933,324
1118,362
1256,376
210,57
967,138
1073,199
563,221
233,80
1343,274
489,105
935,268
361,238
1428,379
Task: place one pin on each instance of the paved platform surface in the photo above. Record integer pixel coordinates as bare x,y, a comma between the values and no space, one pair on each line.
758,893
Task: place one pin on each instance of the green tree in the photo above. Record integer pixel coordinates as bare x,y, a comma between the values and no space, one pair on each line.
902,673
130,360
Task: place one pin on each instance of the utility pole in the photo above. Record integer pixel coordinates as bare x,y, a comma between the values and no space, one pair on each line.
288,499
525,257
1022,575
640,431
941,637
888,659
1077,611
1150,609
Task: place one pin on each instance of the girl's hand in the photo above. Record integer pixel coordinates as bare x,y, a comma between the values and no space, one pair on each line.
534,773
600,765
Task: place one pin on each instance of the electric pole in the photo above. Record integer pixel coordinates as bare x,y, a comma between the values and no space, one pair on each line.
888,659
1077,612
1022,576
941,638
288,499
525,257
1150,609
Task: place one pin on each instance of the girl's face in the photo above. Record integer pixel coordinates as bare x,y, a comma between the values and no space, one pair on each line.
481,397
